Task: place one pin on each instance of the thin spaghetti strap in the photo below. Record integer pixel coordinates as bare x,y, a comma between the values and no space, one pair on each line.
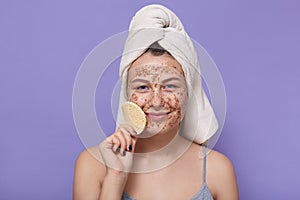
204,164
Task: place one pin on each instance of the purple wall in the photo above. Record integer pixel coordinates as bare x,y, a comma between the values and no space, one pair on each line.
255,44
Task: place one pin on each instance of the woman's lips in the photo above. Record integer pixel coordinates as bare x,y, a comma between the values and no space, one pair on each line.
157,116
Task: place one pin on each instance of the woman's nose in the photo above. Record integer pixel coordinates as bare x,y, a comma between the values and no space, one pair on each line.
157,99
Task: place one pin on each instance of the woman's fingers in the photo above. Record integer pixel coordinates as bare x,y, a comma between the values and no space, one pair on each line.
129,139
129,129
115,144
123,139
113,149
131,135
133,144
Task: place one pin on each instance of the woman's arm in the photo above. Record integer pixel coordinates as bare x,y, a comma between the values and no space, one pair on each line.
88,175
92,181
222,177
101,171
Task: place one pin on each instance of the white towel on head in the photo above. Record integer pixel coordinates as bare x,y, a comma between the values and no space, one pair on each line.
155,23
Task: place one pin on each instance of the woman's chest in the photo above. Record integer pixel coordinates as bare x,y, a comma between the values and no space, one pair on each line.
173,183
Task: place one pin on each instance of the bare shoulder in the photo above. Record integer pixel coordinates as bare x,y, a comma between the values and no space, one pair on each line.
219,161
90,161
215,159
221,176
88,174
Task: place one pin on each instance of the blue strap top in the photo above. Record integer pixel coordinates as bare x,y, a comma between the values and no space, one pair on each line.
203,194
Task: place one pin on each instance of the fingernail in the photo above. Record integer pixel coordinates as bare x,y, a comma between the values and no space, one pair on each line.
130,148
124,153
118,150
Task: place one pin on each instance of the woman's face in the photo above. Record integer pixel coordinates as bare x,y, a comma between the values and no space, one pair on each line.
157,84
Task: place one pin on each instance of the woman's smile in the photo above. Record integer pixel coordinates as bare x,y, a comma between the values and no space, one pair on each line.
157,116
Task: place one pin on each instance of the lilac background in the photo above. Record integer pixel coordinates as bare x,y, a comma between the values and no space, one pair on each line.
255,44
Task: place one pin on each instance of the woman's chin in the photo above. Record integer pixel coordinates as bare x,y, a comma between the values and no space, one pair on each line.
149,133
153,129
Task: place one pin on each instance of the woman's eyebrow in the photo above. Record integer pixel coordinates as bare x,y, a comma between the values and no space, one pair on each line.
171,79
149,82
139,80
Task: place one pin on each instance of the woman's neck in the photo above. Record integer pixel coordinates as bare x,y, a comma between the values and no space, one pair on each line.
156,142
159,151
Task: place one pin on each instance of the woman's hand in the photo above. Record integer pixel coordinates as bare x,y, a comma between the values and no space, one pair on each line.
117,150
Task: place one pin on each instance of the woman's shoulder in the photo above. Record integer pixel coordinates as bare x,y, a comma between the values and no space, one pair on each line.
89,162
214,158
88,174
221,176
91,156
218,159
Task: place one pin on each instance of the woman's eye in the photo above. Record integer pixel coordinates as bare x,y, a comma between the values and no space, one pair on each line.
169,86
142,88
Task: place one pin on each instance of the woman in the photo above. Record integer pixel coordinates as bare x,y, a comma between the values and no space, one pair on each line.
160,73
